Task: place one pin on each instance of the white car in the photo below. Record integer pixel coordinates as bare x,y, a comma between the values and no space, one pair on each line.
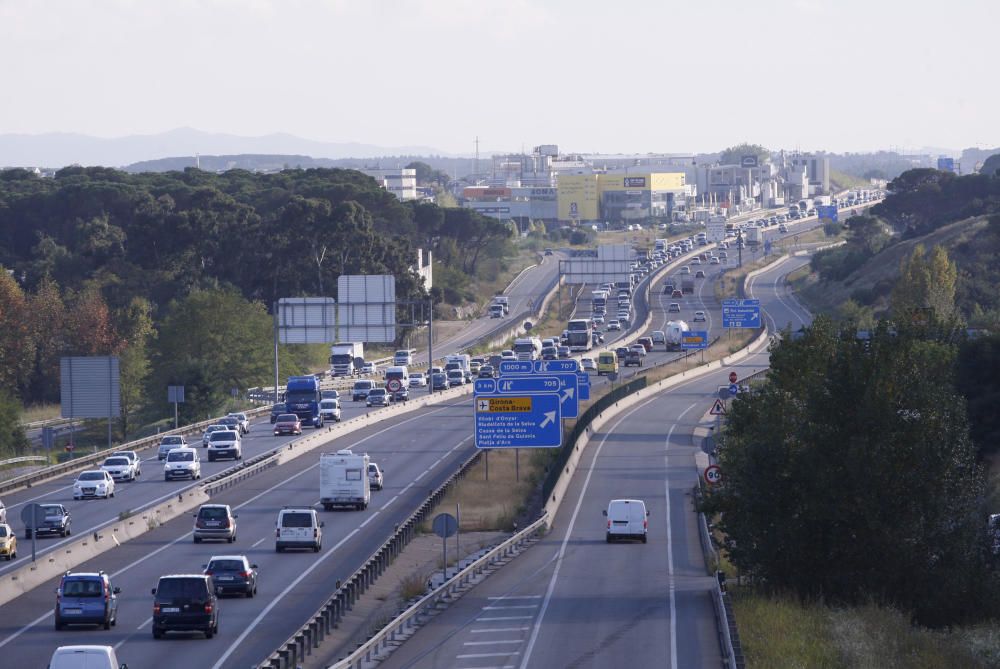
169,443
508,355
368,368
627,519
3,512
417,380
330,410
243,419
375,479
133,456
120,468
224,444
588,365
598,319
699,316
94,483
614,325
182,463
658,337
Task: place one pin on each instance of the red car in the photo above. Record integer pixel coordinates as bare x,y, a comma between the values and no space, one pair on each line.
287,423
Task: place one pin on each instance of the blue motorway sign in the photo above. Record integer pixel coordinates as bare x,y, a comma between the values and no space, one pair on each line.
583,385
741,313
827,211
549,366
529,384
518,421
516,367
693,340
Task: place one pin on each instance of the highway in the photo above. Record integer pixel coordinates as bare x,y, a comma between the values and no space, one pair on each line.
572,600
418,451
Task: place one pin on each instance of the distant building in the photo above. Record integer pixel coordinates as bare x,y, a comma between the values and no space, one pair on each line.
400,182
817,170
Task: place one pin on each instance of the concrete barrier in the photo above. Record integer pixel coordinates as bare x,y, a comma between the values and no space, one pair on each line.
54,563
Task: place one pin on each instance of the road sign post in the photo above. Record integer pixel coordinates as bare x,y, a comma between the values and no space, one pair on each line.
445,525
33,517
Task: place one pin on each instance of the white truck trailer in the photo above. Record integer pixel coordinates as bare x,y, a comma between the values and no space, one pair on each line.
674,334
343,480
345,357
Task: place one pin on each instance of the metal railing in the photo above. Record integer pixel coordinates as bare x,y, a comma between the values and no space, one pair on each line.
24,458
308,637
81,462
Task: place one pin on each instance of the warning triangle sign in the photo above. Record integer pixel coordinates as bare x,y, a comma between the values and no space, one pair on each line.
718,409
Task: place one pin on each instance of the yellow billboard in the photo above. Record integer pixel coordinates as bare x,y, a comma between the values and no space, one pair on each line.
667,180
578,197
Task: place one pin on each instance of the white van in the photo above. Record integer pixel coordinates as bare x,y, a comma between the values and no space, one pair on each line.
627,519
85,657
403,357
298,528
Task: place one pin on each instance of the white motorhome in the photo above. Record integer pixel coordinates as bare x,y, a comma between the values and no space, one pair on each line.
343,480
504,302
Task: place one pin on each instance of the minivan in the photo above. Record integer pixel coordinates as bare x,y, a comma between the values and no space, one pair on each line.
85,657
627,519
185,603
607,363
298,528
361,389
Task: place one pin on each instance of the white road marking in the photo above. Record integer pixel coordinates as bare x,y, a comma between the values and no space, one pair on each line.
500,629
670,547
475,655
517,597
513,606
393,499
259,542
369,519
504,618
490,643
267,609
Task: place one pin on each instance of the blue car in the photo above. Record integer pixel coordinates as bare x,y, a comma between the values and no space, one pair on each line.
86,598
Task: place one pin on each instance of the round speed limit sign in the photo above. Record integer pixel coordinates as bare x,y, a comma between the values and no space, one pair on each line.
394,385
713,475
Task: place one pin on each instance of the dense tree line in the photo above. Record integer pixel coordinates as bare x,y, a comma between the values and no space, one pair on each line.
175,272
851,475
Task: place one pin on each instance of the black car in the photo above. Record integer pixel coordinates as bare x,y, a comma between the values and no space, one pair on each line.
185,603
57,521
564,351
401,395
232,423
232,574
439,381
550,353
277,410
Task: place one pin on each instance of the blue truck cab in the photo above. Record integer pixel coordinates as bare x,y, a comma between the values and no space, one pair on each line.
302,398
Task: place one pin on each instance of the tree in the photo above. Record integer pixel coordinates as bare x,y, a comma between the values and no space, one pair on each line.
853,451
135,324
925,282
13,441
991,166
47,324
733,154
17,344
210,342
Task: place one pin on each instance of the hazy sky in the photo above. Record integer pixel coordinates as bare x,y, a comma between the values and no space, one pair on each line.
590,76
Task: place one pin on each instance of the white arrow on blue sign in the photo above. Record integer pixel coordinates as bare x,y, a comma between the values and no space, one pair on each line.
528,421
733,389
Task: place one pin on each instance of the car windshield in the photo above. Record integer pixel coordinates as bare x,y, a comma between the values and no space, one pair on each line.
287,418
130,456
328,404
220,435
172,440
90,587
216,428
115,462
377,391
415,376
226,565
92,476
296,520
278,408
52,510
3,530
363,385
186,456
213,513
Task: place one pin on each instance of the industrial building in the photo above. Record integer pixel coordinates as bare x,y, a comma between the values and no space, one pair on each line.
400,182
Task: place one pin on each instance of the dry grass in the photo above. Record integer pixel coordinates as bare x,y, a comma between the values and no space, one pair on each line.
782,632
495,503
37,412
412,586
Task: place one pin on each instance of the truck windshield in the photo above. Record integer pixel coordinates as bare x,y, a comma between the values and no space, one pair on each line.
300,396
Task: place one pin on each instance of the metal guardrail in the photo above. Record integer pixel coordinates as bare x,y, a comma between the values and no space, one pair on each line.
409,618
81,462
308,637
24,458
729,636
44,423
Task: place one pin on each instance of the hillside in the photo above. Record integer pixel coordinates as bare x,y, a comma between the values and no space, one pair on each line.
969,243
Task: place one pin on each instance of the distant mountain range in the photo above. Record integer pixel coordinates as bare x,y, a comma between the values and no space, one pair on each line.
54,150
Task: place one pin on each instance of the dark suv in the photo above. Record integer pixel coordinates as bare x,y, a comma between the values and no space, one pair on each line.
86,599
185,603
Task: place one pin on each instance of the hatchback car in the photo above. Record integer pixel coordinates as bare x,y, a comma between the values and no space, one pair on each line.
131,455
418,380
674,308
658,337
182,463
646,342
277,410
456,377
232,574
699,316
714,261
56,521
243,419
330,410
361,389
185,603
94,483
215,521
287,423
375,477
588,365
677,293
439,381
8,542
378,397
685,270
614,325
486,372
700,274
169,443
86,598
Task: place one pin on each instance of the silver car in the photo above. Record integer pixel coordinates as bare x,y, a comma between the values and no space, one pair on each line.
169,443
